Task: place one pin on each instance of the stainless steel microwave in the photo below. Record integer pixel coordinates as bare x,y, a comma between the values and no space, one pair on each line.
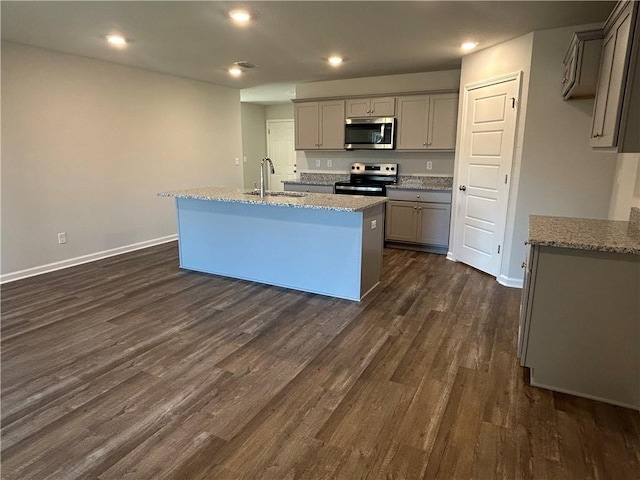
370,133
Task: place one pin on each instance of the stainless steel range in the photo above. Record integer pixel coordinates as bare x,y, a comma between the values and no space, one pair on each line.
368,179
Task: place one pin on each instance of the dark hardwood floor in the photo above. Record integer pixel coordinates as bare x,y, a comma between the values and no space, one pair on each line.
129,368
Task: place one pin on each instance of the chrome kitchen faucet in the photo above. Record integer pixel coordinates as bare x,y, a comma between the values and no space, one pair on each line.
273,170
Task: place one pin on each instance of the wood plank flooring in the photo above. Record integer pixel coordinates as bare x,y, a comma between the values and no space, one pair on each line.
129,368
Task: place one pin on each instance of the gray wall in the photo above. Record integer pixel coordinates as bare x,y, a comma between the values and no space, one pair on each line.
626,186
254,135
87,145
279,112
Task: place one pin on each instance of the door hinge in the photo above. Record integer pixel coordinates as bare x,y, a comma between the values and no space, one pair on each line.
498,248
505,179
513,102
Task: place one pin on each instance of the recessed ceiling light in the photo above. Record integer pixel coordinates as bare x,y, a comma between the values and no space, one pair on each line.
240,16
469,45
117,40
335,60
235,71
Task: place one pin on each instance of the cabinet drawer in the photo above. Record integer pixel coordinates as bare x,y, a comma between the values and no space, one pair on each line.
431,196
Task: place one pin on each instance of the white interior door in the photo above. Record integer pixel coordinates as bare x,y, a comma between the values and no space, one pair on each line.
281,151
486,155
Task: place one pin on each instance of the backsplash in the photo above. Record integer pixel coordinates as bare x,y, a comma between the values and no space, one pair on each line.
323,178
409,163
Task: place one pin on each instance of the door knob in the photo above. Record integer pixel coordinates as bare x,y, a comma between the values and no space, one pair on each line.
462,187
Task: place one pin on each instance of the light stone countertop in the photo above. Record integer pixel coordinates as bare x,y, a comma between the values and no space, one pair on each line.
584,234
420,182
318,201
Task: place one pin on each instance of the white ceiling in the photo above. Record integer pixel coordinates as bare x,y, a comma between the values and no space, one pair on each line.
289,41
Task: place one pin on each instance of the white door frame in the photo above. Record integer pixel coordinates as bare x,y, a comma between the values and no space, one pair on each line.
514,76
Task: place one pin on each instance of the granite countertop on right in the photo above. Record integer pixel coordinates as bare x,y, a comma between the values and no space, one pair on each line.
422,182
585,234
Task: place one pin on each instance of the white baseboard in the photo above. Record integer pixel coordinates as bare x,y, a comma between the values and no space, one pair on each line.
92,257
510,281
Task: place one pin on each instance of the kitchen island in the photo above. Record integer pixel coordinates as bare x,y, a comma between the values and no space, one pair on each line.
325,244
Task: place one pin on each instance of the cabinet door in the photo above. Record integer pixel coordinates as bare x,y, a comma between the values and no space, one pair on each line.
570,67
401,221
443,120
306,125
434,224
383,106
358,107
611,82
331,125
413,115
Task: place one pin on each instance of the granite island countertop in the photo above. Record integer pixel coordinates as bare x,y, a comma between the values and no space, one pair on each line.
318,201
584,234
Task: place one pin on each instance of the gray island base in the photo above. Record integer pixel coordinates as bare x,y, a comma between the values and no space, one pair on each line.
325,244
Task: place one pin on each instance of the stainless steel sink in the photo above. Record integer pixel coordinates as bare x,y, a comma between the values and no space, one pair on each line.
277,194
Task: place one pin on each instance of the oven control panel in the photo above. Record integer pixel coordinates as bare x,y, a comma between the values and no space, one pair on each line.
375,169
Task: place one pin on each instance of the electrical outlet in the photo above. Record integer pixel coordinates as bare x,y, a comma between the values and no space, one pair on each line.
429,165
374,224
318,163
329,163
237,161
62,238
244,159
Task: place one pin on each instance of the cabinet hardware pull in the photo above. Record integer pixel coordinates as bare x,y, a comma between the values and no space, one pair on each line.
524,265
513,102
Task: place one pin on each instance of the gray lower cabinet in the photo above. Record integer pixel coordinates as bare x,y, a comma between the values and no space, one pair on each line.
305,187
421,223
580,323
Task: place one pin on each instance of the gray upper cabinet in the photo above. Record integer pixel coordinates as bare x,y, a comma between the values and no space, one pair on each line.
581,65
616,115
319,125
427,122
371,107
